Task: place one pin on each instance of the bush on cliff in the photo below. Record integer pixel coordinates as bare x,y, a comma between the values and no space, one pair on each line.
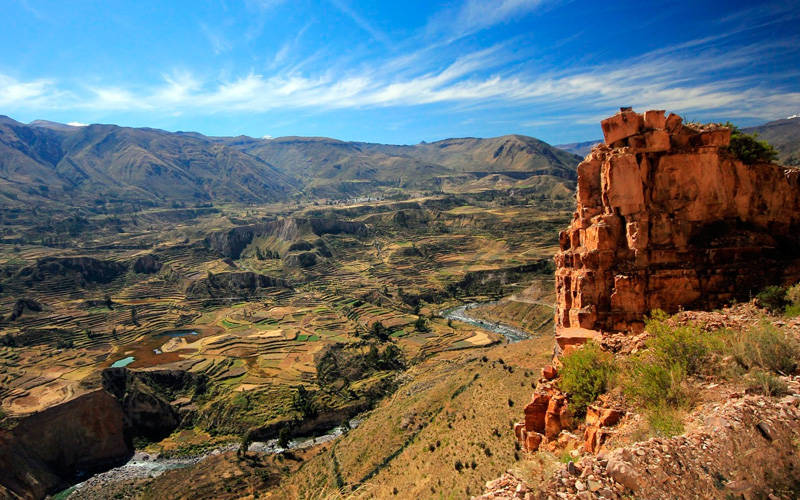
766,347
748,148
773,298
655,383
585,375
793,297
766,383
656,376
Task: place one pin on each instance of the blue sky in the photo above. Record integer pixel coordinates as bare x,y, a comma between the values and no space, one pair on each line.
396,72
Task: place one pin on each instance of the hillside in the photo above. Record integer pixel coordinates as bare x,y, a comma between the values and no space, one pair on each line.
509,153
331,167
48,163
579,148
106,164
784,135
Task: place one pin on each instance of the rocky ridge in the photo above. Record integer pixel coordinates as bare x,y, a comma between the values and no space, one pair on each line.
666,218
715,460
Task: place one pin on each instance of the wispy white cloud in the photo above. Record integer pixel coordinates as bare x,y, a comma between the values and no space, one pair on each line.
684,78
219,43
472,16
40,92
77,124
361,22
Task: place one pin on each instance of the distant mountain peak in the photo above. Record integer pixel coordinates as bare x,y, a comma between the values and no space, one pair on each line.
56,125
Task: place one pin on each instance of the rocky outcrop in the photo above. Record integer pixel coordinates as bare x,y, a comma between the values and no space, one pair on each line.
232,285
667,218
545,417
147,264
745,447
45,452
85,270
48,450
21,305
152,401
232,242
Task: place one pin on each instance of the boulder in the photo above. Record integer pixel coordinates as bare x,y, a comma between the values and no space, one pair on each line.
623,473
535,412
549,372
655,119
621,126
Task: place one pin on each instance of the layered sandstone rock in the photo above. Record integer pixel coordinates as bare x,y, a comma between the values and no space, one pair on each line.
545,417
667,218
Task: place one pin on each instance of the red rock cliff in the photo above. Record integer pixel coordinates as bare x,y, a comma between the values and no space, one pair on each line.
667,217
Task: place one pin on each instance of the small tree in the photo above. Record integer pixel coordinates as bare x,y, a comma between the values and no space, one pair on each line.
284,436
244,445
304,402
379,331
134,318
749,148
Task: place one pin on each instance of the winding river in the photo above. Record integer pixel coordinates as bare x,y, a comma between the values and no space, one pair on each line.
142,465
460,313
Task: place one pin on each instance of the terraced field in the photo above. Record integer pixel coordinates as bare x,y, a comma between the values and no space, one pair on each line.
261,294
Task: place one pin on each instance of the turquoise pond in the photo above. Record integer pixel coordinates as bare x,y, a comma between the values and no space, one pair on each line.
122,362
178,333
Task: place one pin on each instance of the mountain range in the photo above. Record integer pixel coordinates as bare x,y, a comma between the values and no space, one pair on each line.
63,165
784,135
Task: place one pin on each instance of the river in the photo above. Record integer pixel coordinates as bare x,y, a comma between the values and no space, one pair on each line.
143,465
460,313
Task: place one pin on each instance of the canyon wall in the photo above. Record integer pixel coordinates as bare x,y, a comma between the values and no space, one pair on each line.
46,451
667,217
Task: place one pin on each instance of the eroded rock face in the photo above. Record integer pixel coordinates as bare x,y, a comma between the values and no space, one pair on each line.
667,218
147,264
146,399
238,284
232,242
545,417
86,270
46,451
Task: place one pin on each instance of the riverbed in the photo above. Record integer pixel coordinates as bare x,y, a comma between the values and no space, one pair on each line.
461,313
143,465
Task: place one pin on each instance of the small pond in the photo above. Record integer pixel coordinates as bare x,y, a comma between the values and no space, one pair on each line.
123,362
178,333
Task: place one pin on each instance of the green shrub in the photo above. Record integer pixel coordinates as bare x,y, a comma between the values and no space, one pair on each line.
767,347
793,294
792,311
748,148
793,298
655,383
664,421
656,376
766,383
685,346
773,298
585,375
